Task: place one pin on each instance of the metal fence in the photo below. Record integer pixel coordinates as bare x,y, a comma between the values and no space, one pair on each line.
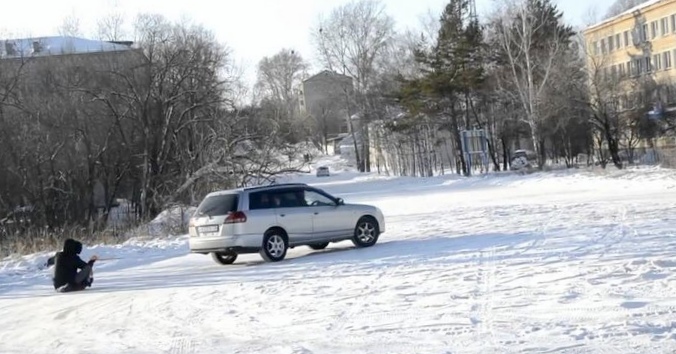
664,157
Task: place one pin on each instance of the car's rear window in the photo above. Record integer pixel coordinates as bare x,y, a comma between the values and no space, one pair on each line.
218,205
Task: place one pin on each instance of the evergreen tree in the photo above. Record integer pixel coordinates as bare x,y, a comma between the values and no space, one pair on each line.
453,71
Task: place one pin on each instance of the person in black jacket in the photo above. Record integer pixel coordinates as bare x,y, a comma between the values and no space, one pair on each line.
66,264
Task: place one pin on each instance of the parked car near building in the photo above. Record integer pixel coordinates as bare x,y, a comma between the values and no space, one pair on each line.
323,171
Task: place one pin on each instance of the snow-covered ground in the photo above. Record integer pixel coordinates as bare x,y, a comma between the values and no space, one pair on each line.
569,262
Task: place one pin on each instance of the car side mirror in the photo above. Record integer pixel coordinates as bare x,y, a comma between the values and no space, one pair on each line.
340,201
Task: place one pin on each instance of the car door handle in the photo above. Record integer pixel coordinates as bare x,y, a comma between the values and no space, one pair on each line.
316,213
282,215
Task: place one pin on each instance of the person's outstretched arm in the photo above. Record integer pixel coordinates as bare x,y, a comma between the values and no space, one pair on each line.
81,264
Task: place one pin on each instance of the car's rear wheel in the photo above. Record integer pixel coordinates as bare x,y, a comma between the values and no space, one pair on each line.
366,232
224,258
319,246
275,245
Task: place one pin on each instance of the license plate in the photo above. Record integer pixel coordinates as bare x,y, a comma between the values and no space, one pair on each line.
208,229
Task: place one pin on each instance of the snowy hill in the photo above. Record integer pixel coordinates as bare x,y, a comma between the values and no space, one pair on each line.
570,261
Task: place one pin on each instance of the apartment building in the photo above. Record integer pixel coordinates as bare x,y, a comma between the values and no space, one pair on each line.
326,97
634,55
83,60
637,43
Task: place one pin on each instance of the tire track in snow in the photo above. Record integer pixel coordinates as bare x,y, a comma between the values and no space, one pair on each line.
570,319
395,317
187,318
481,314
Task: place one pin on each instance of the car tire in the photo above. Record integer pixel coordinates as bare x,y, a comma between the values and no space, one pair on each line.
319,246
366,232
275,245
224,258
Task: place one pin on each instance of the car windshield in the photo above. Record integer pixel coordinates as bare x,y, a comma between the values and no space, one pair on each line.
218,205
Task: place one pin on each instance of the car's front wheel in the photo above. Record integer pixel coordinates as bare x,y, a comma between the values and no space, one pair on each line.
366,232
274,246
224,258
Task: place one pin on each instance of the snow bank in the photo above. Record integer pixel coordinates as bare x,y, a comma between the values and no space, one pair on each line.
133,251
170,221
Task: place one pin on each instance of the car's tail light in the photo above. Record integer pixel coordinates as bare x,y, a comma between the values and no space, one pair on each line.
235,217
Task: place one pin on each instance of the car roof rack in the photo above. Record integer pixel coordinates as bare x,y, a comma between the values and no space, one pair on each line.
277,185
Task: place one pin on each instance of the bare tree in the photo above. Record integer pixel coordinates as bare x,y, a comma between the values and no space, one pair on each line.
531,40
111,27
280,75
566,128
591,15
352,38
155,124
430,26
70,26
350,41
605,101
279,79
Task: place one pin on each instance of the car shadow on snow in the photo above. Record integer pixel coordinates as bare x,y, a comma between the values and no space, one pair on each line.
338,261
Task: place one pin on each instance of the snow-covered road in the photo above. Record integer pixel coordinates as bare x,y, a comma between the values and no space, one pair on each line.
562,262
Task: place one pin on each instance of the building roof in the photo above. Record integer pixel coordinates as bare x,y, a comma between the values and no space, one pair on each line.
625,13
327,73
55,45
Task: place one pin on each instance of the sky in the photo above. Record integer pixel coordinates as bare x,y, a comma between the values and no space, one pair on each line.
252,29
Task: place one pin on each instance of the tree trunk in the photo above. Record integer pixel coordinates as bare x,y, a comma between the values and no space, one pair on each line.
505,155
613,149
463,168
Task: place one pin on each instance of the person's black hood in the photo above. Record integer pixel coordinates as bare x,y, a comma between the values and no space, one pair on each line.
71,246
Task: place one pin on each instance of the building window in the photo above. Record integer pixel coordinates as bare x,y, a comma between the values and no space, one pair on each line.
673,23
657,62
637,67
666,60
611,44
648,64
653,29
10,48
621,70
626,38
618,42
644,33
603,46
664,23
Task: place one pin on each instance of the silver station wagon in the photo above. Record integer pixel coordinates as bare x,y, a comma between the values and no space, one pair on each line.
271,219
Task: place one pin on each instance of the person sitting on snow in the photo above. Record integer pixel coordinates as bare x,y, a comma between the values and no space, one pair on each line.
67,262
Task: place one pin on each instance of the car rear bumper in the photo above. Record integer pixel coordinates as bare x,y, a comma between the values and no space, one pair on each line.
237,243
